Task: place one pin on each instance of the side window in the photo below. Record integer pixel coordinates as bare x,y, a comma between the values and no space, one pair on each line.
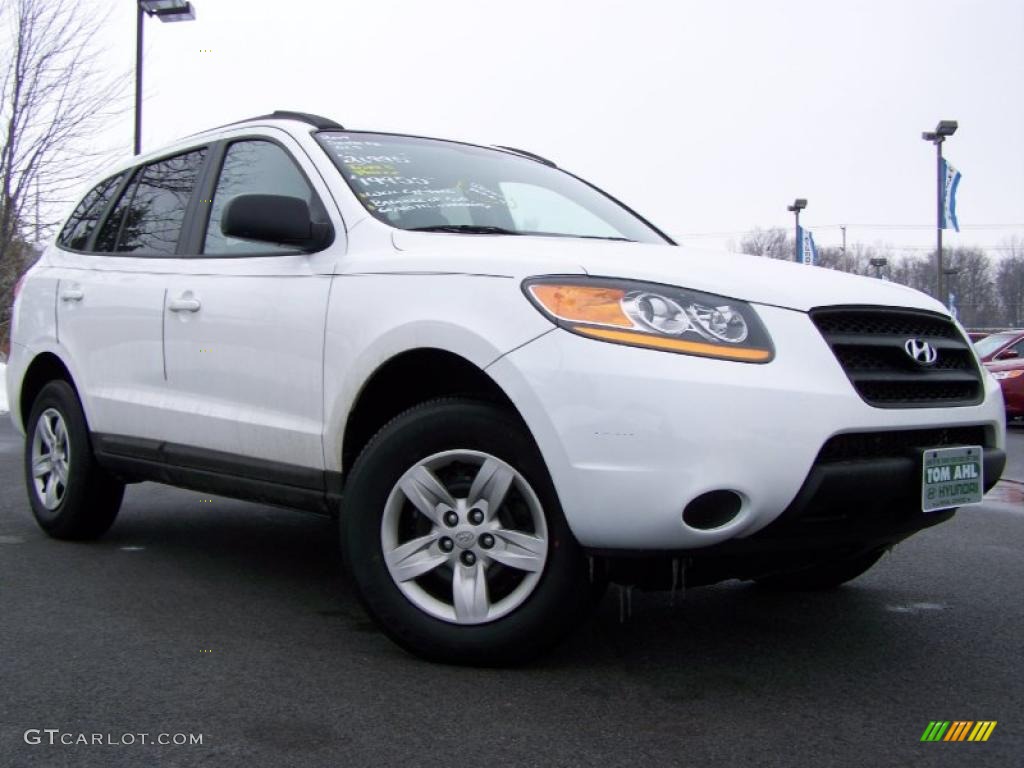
252,168
148,217
76,232
106,240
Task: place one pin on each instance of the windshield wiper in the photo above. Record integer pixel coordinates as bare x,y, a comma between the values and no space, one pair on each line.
483,229
467,229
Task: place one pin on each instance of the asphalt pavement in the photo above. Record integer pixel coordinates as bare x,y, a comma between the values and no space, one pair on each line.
234,622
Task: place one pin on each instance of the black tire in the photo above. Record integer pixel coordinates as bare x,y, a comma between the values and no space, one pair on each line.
91,497
828,575
561,598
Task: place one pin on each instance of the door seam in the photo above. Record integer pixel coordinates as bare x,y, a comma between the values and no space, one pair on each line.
163,333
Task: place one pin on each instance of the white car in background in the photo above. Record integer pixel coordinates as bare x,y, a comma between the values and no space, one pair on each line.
509,387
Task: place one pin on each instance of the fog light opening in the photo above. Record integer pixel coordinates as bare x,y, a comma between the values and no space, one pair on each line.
712,510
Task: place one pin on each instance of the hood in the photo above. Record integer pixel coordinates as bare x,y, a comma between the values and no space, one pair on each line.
751,278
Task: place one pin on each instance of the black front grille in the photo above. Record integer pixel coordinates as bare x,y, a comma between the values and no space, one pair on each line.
888,445
869,344
869,321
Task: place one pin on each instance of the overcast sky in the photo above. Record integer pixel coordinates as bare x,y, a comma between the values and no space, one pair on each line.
708,117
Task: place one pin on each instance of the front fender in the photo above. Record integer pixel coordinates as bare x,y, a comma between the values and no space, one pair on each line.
345,379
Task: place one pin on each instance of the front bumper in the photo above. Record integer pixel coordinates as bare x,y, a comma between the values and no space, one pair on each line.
843,509
630,436
868,504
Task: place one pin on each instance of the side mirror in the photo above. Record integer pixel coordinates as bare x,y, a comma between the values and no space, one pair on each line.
1007,354
275,219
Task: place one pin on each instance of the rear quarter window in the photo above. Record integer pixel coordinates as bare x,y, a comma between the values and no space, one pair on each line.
86,216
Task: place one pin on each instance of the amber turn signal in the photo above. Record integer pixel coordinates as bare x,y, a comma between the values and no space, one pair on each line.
583,303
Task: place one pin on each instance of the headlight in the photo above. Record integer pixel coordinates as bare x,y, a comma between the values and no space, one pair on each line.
653,316
1000,375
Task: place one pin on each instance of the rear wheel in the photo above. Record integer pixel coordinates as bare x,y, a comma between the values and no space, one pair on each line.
826,575
456,540
72,497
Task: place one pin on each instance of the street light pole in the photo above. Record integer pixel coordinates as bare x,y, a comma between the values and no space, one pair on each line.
138,79
939,183
165,10
798,205
937,137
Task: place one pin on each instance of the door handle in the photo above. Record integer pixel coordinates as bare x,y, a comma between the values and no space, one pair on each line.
72,294
184,305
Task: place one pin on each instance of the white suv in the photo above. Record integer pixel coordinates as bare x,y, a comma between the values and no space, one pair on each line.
509,387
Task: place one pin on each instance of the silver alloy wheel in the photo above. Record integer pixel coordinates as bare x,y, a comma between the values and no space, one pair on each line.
51,458
484,533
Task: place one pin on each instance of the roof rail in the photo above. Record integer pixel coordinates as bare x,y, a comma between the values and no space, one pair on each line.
281,114
315,120
530,155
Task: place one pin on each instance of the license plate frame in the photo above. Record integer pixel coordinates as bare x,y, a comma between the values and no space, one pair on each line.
952,476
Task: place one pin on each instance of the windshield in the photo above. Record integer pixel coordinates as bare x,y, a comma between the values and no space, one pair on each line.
431,185
990,344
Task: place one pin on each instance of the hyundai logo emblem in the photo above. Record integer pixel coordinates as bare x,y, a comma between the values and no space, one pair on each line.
921,352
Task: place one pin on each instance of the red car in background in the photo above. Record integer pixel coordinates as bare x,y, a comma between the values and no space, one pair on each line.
999,346
1003,354
1011,379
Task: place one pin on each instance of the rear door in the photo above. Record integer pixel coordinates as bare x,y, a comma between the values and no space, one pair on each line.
111,264
244,326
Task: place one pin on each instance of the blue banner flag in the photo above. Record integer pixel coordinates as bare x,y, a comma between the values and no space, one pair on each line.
950,182
808,250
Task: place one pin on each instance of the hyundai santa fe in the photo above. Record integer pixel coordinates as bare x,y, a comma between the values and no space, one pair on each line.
508,387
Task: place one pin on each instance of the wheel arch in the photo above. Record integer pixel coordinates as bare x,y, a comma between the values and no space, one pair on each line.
409,378
44,368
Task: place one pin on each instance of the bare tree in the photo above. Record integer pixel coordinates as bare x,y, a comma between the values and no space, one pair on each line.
1010,283
972,285
856,259
773,243
916,272
54,99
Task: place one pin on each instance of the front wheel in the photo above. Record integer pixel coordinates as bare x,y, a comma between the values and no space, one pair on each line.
455,538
